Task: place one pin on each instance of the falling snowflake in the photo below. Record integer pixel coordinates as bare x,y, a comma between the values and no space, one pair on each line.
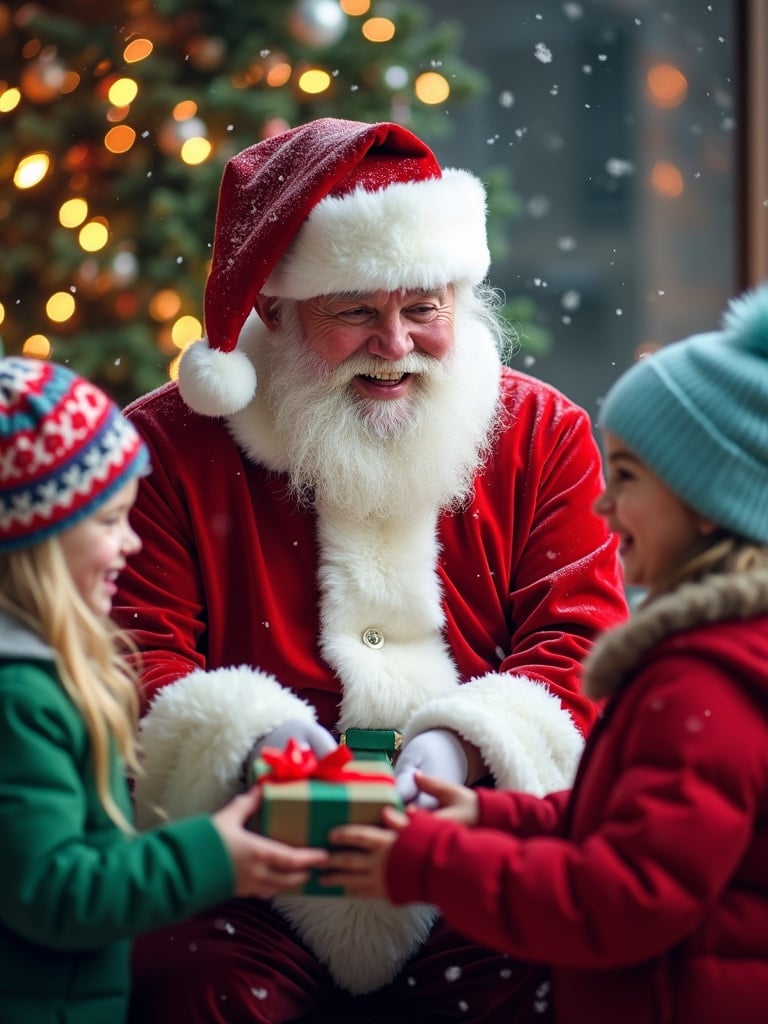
452,973
543,53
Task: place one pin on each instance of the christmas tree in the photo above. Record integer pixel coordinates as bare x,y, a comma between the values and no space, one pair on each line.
116,119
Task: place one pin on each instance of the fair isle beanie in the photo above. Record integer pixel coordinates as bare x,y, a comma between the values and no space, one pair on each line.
696,413
329,206
65,449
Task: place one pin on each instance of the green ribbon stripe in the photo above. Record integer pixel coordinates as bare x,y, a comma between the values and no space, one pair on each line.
302,813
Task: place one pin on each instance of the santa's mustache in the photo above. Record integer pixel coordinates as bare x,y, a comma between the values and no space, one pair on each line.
362,365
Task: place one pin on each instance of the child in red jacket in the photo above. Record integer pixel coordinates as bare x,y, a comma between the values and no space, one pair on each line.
644,887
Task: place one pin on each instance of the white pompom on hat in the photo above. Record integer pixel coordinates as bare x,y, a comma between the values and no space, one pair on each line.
330,206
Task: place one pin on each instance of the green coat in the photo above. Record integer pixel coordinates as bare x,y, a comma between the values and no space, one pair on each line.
73,887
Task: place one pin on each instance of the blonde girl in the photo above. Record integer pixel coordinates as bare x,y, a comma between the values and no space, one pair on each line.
76,879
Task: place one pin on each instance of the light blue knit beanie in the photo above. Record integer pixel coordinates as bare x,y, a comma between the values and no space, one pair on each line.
696,413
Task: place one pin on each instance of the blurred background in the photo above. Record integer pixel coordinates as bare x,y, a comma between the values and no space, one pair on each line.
622,142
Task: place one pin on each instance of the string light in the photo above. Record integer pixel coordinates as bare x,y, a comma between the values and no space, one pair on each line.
9,100
36,346
31,170
378,30
164,304
354,8
196,150
314,81
93,236
431,87
186,330
278,74
666,179
122,92
119,139
73,212
137,49
60,307
667,86
183,110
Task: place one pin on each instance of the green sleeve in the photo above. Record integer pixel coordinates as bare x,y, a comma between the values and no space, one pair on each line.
69,877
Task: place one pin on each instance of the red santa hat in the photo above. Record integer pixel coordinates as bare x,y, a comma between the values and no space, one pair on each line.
329,206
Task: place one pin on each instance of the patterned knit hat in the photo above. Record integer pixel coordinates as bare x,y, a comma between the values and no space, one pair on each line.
330,206
696,412
65,449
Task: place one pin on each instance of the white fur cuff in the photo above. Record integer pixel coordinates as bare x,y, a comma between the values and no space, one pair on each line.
528,740
196,734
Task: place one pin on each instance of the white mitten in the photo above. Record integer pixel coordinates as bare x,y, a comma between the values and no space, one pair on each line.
437,752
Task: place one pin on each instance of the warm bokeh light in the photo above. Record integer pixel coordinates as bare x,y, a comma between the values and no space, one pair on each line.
667,86
31,170
164,304
378,30
36,346
31,49
120,139
186,330
137,49
195,151
183,110
70,82
93,236
666,179
122,92
278,75
9,100
355,7
432,88
2,312
60,307
314,81
72,213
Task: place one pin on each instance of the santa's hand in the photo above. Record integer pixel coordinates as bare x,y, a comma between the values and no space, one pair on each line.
439,753
307,734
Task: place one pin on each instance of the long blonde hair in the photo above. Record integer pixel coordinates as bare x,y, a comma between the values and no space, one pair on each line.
36,586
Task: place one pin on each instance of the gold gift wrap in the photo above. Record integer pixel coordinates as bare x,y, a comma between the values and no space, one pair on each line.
301,812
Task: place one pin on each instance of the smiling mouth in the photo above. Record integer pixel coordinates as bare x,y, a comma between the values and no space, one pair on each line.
384,377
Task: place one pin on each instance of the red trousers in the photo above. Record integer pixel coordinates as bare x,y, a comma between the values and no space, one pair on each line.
240,963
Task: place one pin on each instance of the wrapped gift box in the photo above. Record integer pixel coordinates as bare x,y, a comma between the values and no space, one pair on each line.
303,798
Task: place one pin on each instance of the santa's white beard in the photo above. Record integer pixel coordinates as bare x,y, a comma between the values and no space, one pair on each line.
377,460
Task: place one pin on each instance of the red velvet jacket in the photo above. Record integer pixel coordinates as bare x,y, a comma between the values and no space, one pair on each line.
647,890
251,612
227,575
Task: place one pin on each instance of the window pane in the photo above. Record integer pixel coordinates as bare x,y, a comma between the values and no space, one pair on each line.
615,122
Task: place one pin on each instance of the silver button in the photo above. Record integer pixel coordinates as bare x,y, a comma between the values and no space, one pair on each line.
373,638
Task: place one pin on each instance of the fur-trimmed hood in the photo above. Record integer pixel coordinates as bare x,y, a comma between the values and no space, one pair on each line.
716,598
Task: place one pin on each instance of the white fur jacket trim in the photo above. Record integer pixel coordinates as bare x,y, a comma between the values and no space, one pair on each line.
197,733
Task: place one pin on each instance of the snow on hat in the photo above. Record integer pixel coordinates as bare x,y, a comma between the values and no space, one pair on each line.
329,206
65,449
696,413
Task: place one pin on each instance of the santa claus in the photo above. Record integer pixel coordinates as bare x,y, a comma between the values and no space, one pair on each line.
358,518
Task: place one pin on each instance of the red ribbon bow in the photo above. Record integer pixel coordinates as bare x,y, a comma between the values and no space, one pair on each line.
297,762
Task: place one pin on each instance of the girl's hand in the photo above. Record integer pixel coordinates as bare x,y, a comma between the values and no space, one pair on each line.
454,803
263,867
359,865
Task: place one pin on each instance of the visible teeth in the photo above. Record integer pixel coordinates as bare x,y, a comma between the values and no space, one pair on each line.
385,376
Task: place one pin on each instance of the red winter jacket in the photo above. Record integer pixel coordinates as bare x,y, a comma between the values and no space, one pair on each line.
646,887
